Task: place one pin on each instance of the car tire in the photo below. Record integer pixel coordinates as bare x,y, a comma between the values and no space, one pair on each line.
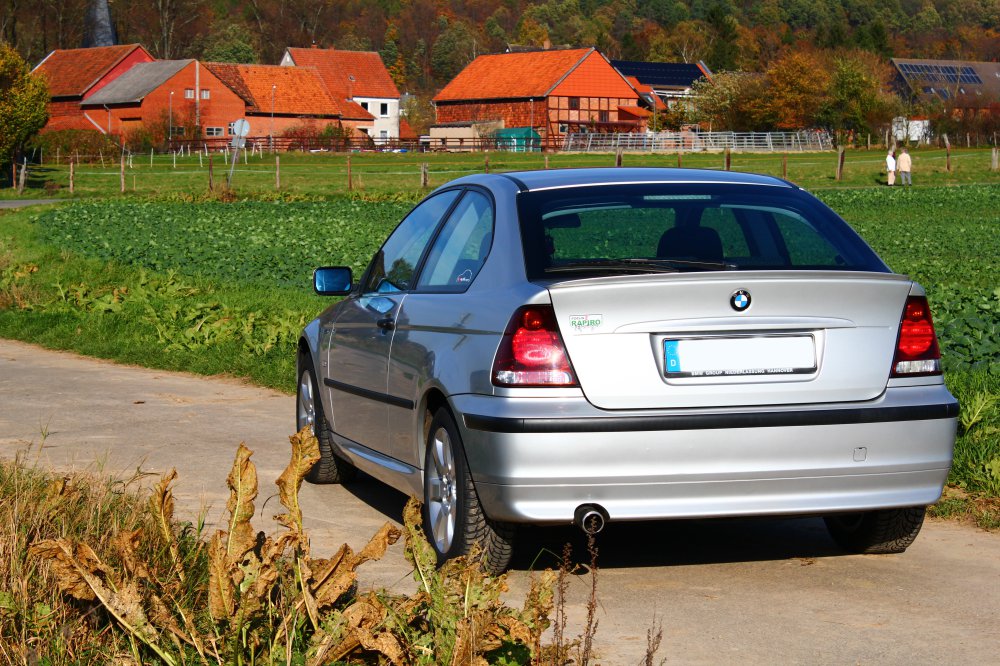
882,531
454,520
331,468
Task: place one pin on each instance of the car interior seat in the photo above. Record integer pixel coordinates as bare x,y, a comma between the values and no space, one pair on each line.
690,241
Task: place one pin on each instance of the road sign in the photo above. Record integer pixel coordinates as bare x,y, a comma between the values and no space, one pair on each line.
241,127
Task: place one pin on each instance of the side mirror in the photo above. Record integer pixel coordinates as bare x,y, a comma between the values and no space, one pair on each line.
332,281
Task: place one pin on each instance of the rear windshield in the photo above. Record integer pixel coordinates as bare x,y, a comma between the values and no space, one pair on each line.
685,227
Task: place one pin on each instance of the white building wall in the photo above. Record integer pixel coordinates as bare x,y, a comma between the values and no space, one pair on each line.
387,122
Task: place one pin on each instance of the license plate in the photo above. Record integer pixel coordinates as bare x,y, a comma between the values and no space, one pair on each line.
743,356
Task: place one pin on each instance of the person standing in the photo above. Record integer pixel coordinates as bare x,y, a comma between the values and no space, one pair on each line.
890,167
904,164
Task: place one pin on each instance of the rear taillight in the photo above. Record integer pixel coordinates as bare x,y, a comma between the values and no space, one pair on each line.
532,352
917,351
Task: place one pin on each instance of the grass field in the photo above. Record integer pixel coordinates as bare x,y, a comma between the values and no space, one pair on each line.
324,175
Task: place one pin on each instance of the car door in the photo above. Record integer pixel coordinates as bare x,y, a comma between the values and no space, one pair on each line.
358,352
435,317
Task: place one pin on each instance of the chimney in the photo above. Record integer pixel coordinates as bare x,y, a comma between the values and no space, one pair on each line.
100,31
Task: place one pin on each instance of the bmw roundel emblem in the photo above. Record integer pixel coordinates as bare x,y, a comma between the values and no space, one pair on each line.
740,300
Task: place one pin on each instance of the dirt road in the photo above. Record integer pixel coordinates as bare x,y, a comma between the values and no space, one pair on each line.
735,591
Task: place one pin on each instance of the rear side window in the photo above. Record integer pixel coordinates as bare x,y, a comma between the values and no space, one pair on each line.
630,228
393,266
460,249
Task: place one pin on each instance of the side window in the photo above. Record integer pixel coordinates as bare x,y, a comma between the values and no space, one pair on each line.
392,268
460,250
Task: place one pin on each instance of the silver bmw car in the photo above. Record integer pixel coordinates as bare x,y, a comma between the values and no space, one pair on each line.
594,345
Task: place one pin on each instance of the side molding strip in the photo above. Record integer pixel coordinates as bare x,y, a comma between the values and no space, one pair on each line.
371,395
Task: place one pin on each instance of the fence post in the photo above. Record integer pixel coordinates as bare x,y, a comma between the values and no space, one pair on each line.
122,173
277,171
71,164
546,161
729,160
486,163
350,185
211,175
947,154
995,160
101,153
424,178
175,159
679,159
57,158
869,144
784,166
840,162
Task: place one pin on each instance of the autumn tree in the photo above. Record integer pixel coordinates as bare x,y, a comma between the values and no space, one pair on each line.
856,94
797,89
732,101
23,103
453,50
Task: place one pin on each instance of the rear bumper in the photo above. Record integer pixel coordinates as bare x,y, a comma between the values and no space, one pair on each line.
538,459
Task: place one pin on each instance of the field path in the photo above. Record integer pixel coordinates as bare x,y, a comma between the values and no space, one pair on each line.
740,592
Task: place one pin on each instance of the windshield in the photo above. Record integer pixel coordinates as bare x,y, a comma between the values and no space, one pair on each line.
686,227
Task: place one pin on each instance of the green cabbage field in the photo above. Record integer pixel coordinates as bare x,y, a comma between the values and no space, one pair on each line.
945,237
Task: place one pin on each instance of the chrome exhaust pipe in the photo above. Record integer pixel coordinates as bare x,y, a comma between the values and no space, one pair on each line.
590,518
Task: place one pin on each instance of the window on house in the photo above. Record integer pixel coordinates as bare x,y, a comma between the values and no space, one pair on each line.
205,94
603,116
383,135
229,129
176,131
213,131
383,109
574,103
189,93
364,105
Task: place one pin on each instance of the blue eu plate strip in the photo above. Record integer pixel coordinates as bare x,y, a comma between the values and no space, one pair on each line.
672,355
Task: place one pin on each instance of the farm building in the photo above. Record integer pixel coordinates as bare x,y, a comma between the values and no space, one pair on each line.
357,76
287,100
180,94
74,75
670,81
967,87
554,92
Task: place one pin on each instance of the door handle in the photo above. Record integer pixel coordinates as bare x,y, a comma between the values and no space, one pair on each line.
386,324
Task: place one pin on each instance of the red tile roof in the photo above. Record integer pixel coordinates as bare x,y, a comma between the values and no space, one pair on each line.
72,72
296,91
512,75
405,130
371,78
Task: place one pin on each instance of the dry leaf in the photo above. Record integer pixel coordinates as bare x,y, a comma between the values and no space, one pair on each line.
74,566
221,600
305,454
242,482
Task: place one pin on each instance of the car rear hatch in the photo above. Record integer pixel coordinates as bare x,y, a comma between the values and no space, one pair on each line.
730,339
